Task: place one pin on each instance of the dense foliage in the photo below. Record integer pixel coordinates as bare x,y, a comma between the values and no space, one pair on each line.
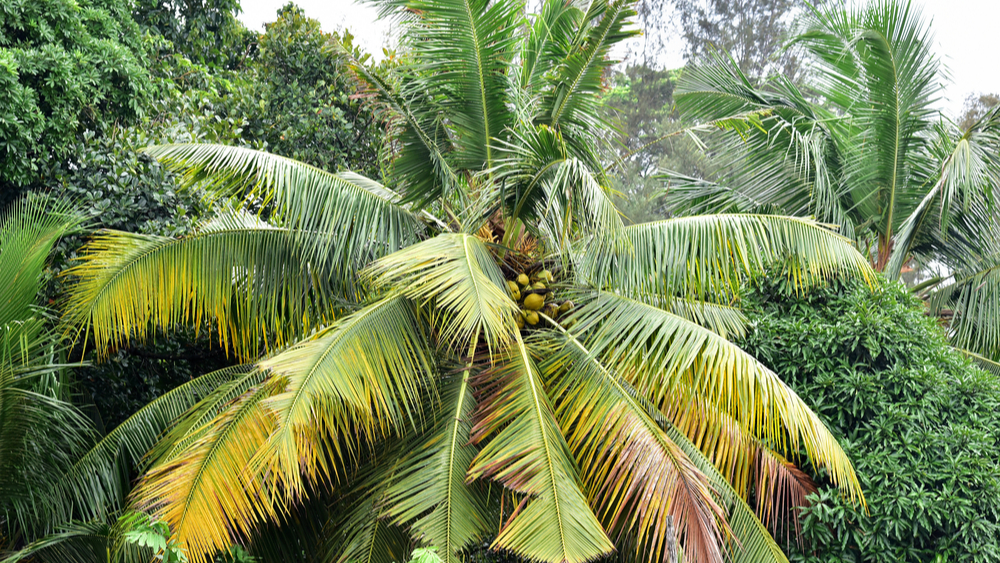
920,422
65,67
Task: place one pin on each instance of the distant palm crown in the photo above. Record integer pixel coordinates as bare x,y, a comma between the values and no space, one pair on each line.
860,143
391,365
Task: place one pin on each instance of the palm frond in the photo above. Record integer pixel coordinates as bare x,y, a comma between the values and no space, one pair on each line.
639,481
429,494
29,228
575,99
362,376
360,217
672,361
460,275
78,542
421,166
529,455
748,464
205,492
548,42
480,39
712,254
97,482
246,276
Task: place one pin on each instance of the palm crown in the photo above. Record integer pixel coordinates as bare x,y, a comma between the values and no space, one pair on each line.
863,146
395,359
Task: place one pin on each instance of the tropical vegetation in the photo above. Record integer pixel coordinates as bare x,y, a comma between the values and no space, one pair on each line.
482,317
290,304
916,416
861,144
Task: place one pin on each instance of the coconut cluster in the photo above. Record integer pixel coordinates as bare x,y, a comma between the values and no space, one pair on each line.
535,297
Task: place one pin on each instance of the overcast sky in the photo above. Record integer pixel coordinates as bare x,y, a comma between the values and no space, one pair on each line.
965,36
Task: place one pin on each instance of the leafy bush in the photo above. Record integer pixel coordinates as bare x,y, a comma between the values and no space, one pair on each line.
65,67
919,421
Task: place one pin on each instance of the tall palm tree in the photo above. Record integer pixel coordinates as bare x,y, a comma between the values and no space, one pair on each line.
483,350
862,146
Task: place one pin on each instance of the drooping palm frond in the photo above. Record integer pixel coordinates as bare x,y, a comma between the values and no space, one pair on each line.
205,492
41,432
361,377
361,217
97,482
640,482
755,543
672,361
749,465
80,542
429,494
247,277
712,254
28,230
359,531
528,454
460,275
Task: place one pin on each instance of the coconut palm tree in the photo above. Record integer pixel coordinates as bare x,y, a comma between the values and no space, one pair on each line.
860,145
40,431
478,348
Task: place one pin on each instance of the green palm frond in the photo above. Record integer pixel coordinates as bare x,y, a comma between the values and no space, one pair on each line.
361,217
362,376
575,99
421,167
547,43
29,228
528,454
358,532
481,37
460,275
970,170
97,482
727,322
639,481
78,542
429,493
244,275
670,360
712,254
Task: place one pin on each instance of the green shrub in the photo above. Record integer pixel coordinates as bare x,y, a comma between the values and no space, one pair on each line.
66,66
920,422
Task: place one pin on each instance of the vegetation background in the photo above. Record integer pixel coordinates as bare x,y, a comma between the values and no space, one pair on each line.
86,86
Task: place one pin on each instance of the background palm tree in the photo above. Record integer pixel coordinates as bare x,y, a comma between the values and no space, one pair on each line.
398,362
861,145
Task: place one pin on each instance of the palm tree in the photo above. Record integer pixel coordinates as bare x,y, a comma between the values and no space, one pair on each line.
859,145
40,431
484,350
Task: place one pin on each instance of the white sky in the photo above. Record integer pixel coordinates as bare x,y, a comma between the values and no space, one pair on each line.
964,30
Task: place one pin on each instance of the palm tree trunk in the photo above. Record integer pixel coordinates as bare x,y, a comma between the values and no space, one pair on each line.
884,253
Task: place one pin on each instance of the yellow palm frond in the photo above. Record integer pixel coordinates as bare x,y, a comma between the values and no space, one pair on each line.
361,377
253,280
459,274
639,481
205,492
670,360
